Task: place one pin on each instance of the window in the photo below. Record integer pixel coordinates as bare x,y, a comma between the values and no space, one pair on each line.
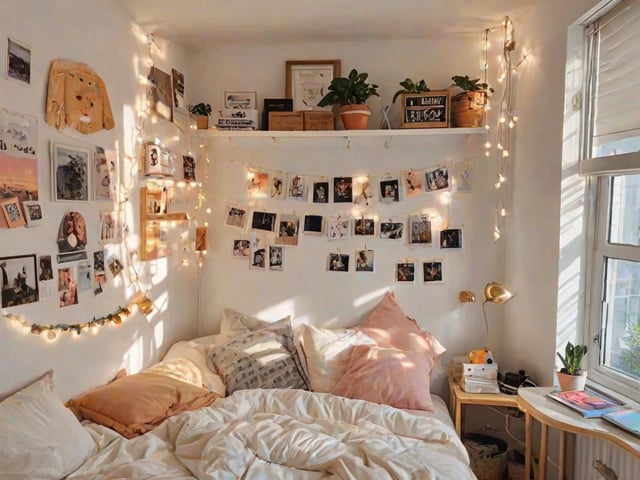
612,160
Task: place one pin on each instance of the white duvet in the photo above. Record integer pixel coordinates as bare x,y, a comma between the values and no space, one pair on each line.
284,434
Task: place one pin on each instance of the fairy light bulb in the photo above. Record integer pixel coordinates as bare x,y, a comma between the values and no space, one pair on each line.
487,145
501,178
208,210
487,153
487,127
505,153
514,117
511,124
51,335
503,212
502,119
496,234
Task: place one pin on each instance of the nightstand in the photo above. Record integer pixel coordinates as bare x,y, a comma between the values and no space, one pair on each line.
458,398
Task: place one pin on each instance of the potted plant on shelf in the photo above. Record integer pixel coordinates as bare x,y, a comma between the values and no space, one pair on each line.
350,94
571,376
469,105
410,87
200,112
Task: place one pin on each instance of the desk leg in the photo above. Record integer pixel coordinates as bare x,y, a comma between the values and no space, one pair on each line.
527,446
458,417
562,459
544,433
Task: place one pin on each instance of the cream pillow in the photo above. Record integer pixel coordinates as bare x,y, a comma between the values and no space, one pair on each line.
235,323
39,437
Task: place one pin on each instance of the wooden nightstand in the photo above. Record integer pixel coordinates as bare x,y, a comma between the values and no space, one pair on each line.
458,398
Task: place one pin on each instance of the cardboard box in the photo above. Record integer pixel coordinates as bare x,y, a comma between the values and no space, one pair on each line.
286,121
318,120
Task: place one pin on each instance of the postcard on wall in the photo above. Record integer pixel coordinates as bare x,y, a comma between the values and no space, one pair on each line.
33,213
288,230
278,181
105,178
338,262
338,227
236,216
70,167
110,227
159,94
297,187
412,183
392,229
405,271
258,253
389,190
189,168
342,189
18,61
18,134
19,280
241,248
451,238
437,179
313,224
364,226
464,176
12,212
20,177
257,183
263,221
320,190
99,277
85,280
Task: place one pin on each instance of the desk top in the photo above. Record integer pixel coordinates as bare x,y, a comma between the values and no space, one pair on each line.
534,402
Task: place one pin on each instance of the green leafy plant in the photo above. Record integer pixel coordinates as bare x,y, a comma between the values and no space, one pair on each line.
470,85
203,109
353,89
630,357
410,87
572,359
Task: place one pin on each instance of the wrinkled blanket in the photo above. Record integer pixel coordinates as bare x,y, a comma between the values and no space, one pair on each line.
286,434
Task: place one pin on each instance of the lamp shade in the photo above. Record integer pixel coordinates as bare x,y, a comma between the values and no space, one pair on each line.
496,293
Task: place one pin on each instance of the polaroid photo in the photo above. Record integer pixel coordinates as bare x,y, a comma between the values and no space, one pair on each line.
364,226
115,266
320,191
463,176
258,183
389,190
313,225
342,189
451,238
405,271
437,179
278,182
242,249
364,261
12,212
258,257
236,216
110,227
338,228
419,230
338,262
18,61
362,191
276,257
288,230
297,187
263,221
392,230
33,213
432,271
240,100
412,183
159,94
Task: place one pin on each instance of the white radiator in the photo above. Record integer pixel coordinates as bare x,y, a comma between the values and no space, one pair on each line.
590,450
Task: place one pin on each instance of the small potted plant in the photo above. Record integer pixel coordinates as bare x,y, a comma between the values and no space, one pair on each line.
410,87
200,112
350,94
469,105
571,376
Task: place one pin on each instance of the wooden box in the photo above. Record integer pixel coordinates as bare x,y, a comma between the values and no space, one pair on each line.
286,121
318,120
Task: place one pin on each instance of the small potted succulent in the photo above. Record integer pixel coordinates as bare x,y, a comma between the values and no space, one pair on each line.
350,94
469,105
571,376
410,87
201,112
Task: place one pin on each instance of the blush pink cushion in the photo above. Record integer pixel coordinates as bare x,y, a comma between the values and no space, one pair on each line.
389,376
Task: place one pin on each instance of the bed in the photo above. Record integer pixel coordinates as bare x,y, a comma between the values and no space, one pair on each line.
341,403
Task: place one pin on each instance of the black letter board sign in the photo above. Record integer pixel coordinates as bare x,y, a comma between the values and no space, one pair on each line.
425,110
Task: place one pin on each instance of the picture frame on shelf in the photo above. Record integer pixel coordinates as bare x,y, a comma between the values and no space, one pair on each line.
12,212
307,81
18,61
240,100
32,213
70,167
426,110
19,280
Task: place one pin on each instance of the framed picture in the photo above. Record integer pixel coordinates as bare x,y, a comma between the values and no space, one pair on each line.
18,61
12,212
432,271
70,170
33,213
159,94
451,238
405,272
19,280
425,110
307,81
243,100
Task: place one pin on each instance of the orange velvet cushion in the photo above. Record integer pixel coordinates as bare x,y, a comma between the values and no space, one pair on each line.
135,404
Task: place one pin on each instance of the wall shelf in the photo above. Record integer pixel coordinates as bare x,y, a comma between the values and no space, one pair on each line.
275,134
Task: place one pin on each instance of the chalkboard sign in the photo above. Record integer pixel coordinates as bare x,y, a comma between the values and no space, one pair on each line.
425,110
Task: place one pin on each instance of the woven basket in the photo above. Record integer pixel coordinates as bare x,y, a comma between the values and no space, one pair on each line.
492,469
468,109
488,456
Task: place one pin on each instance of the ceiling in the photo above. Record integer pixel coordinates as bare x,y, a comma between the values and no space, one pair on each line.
192,23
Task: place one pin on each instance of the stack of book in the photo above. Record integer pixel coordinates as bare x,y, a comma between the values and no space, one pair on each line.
626,418
589,403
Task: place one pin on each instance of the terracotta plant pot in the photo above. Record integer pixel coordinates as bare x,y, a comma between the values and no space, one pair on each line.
468,109
572,382
355,117
202,122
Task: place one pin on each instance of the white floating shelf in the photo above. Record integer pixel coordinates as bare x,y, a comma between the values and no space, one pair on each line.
405,132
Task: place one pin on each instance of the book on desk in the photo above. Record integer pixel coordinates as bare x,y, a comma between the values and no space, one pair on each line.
626,418
589,403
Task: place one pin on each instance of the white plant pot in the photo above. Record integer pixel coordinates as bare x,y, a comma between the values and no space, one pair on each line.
572,382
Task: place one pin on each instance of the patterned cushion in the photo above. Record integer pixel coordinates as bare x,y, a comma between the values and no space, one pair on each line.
265,358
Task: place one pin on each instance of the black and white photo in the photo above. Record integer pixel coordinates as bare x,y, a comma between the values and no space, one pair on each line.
297,187
19,280
451,238
419,230
236,216
33,213
18,61
338,262
276,257
313,224
364,261
391,230
320,191
432,271
265,221
389,190
70,170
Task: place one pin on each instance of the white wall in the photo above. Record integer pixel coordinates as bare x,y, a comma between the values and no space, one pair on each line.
305,289
99,34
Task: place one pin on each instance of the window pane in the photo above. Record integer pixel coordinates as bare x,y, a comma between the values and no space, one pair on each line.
620,349
625,210
627,142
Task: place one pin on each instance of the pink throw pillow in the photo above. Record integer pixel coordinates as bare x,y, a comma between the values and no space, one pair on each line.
389,376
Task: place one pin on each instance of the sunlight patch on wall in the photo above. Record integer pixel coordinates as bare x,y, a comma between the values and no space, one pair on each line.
279,310
375,295
134,357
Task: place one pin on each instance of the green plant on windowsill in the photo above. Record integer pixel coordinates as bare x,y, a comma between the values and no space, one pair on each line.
410,87
572,359
203,109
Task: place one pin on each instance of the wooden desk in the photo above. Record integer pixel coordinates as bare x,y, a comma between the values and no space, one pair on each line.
535,405
458,398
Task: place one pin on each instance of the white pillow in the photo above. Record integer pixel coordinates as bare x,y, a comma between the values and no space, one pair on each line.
196,351
40,437
327,352
235,323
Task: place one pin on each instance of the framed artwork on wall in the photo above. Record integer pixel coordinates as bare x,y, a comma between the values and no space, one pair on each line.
70,170
307,81
18,61
12,212
19,280
33,213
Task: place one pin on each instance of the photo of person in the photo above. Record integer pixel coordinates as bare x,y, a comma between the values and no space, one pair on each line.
70,169
412,182
104,175
19,280
257,183
364,226
18,62
364,261
313,224
189,168
12,212
276,257
263,221
432,271
321,192
46,269
109,227
343,189
405,272
297,188
236,216
72,234
389,190
67,287
258,258
338,262
391,230
451,238
362,191
419,230
277,187
288,228
437,179
241,248
115,266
